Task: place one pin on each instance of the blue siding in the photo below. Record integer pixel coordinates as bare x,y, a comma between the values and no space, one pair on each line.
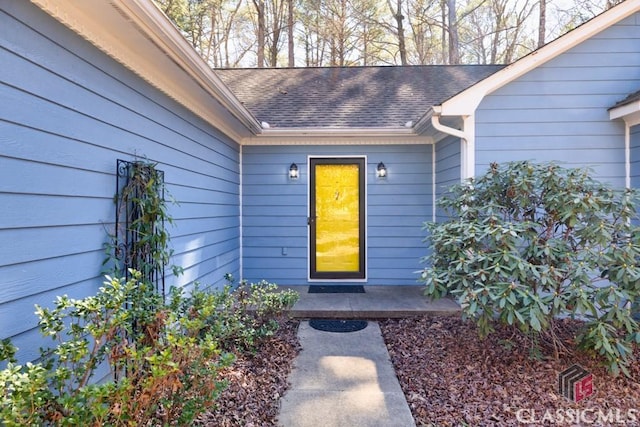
67,113
448,173
635,157
275,211
559,110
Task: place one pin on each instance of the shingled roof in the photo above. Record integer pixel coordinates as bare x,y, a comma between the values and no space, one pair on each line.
628,100
348,97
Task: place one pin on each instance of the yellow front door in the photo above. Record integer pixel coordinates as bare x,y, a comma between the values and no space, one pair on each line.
336,222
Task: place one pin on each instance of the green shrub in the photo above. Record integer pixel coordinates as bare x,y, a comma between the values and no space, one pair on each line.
239,317
527,243
165,356
166,366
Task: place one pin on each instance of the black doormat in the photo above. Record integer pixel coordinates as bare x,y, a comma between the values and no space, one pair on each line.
337,325
336,289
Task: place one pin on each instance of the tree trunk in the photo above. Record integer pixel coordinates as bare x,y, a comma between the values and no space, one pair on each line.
454,53
397,14
499,10
259,4
290,33
542,22
443,41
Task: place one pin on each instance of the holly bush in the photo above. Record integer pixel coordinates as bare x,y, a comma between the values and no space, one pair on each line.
527,244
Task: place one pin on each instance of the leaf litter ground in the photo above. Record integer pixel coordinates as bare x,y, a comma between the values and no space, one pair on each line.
450,377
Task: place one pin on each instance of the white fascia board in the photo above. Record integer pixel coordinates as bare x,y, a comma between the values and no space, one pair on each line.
168,37
630,113
337,136
139,36
424,123
466,102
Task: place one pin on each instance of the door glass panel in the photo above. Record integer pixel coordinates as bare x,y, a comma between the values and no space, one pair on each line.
337,218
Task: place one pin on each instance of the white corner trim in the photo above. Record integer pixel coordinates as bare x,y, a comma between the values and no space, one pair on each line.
136,34
466,102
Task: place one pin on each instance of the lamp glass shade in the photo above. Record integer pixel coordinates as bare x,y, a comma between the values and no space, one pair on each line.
293,171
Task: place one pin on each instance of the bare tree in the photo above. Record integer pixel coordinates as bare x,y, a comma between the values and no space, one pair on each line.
443,25
373,35
339,32
514,40
276,18
542,23
313,29
270,17
290,35
230,33
399,17
211,26
425,26
456,22
498,32
579,11
234,42
260,35
452,23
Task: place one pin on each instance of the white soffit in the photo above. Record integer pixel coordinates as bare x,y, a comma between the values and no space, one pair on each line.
630,113
337,136
139,36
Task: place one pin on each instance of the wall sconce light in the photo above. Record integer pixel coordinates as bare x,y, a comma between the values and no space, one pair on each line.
293,171
381,170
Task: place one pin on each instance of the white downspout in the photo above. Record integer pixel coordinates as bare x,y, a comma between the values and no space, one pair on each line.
467,141
435,121
434,187
241,266
627,154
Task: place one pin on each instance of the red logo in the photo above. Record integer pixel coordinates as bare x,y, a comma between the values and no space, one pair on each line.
575,383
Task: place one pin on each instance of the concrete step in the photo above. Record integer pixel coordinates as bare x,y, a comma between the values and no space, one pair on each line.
378,302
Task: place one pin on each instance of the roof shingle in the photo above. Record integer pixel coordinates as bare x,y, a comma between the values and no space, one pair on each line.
348,97
628,100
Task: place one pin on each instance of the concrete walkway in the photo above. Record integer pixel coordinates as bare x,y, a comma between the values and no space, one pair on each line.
343,379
